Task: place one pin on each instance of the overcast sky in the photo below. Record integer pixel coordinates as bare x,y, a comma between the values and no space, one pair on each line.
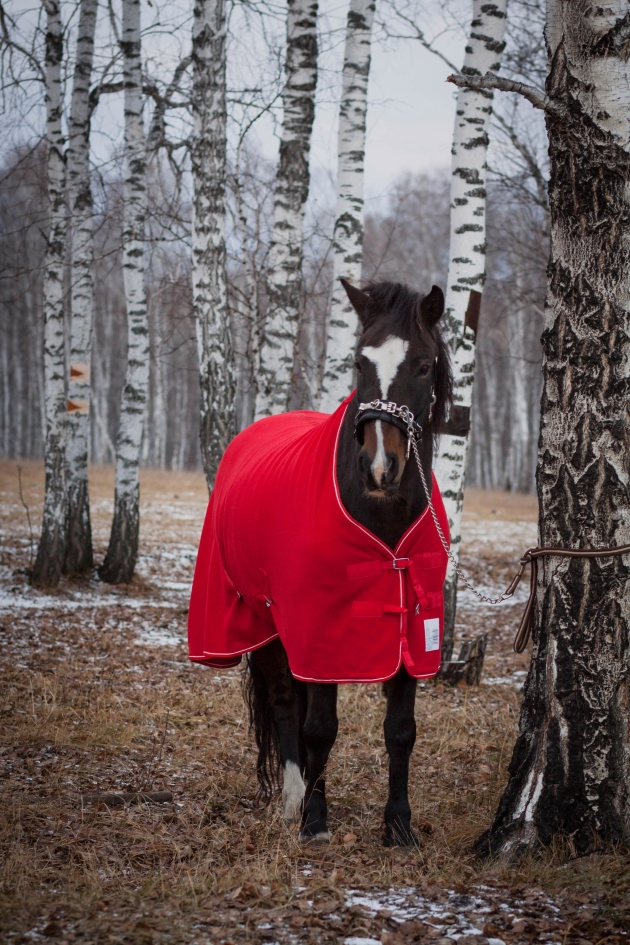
411,106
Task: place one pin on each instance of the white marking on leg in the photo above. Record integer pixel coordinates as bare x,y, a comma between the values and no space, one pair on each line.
293,791
323,837
387,358
379,463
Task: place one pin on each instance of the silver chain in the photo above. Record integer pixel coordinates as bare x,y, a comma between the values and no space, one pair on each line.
451,556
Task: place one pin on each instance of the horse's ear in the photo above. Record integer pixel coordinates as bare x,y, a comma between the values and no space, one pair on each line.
432,306
358,299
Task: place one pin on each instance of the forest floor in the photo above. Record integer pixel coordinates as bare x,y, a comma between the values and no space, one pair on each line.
97,696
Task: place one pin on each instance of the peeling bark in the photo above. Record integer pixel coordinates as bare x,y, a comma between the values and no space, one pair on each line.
216,365
79,558
277,351
348,232
467,269
122,553
52,543
569,772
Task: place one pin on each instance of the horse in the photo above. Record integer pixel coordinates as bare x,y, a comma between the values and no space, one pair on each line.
404,386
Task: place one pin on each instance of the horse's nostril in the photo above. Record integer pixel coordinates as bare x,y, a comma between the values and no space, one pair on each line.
392,468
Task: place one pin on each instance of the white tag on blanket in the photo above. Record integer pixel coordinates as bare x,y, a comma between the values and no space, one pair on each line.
432,634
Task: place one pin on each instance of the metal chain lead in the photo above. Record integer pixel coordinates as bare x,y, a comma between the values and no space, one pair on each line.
451,556
414,433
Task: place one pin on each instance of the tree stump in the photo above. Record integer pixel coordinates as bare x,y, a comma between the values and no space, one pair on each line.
469,666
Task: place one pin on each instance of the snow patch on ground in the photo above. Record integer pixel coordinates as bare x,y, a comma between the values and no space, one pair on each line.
10,601
517,678
508,537
451,915
162,637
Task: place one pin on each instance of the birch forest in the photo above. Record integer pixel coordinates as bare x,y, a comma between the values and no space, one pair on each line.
164,274
190,193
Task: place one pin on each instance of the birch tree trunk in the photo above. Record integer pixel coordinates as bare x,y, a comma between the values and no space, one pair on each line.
52,543
467,270
518,468
122,553
348,232
570,770
79,557
277,351
216,367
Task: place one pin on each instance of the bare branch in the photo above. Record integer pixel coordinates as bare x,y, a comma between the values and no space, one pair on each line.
530,160
490,82
9,43
103,88
416,34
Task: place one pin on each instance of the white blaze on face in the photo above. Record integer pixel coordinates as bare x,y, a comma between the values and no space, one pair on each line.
387,358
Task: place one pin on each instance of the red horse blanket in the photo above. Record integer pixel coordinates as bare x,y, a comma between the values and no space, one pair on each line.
281,556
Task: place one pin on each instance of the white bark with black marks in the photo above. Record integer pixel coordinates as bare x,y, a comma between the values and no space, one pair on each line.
79,558
348,232
122,553
467,267
570,770
52,543
277,350
216,367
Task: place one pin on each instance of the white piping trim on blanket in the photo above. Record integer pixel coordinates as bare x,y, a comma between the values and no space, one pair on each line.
227,656
389,552
393,554
380,679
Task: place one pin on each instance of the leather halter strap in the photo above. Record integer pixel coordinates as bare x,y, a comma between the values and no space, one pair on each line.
531,557
400,416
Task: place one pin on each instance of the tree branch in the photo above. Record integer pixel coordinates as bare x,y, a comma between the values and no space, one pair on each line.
529,158
417,34
490,82
9,43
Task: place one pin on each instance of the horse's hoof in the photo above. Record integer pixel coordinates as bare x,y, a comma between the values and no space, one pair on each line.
322,837
398,837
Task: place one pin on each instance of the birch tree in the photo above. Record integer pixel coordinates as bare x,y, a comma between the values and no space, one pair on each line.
52,543
216,368
79,534
467,268
570,769
277,350
348,232
122,553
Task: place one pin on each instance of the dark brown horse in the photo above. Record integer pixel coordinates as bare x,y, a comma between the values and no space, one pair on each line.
402,358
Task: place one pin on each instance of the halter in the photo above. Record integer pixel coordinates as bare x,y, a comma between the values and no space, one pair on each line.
400,416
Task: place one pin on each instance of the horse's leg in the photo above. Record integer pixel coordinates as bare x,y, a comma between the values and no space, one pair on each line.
284,703
319,733
400,736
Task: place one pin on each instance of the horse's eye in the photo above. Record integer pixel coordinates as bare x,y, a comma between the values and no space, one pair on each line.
357,367
424,369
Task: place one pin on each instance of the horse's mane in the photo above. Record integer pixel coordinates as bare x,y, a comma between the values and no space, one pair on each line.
394,309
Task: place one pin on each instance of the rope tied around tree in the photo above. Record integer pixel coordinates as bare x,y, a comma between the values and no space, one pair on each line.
531,557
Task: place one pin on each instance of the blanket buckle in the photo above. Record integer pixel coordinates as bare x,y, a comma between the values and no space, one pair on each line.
399,564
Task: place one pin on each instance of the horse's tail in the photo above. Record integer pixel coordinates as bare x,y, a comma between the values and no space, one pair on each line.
262,722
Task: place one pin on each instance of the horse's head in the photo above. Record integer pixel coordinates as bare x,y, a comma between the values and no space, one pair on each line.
400,358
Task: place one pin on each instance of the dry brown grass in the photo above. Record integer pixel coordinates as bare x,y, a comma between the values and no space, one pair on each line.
87,707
